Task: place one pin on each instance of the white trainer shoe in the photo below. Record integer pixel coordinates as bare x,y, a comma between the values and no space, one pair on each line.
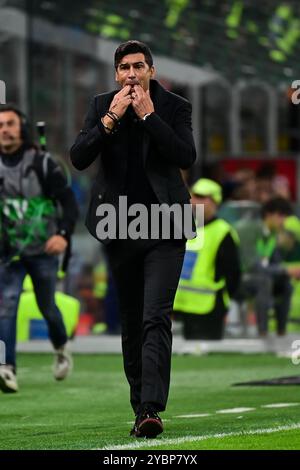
8,379
63,363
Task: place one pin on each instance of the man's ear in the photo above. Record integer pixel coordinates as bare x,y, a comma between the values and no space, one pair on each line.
152,72
116,76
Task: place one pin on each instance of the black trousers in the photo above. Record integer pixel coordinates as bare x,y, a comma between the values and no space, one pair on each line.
146,277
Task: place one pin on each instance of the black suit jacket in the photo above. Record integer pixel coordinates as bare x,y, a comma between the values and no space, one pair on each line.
168,146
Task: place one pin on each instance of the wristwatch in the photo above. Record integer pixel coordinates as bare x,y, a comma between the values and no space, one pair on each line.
62,233
145,117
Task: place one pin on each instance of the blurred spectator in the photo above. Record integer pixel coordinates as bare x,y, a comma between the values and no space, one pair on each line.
38,213
264,182
289,240
216,172
265,277
211,270
269,184
245,185
281,187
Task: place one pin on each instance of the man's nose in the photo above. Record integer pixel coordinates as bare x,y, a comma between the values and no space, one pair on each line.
131,72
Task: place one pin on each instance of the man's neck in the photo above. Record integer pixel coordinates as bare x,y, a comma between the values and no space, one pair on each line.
10,151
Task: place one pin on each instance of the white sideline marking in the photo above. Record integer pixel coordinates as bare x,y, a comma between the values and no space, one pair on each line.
230,410
181,440
203,415
235,410
279,405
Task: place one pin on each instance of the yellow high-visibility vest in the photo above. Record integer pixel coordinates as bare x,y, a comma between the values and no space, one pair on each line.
197,289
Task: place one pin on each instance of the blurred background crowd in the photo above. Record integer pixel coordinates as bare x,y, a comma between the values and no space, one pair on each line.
235,60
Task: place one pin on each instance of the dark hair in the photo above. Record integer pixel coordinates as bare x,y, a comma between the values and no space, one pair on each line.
133,47
277,205
266,171
11,107
25,128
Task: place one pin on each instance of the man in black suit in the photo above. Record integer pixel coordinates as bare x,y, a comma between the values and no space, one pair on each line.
141,136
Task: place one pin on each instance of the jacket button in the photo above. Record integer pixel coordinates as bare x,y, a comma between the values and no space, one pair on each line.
100,196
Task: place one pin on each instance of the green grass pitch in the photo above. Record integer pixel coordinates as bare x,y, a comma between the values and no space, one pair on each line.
90,410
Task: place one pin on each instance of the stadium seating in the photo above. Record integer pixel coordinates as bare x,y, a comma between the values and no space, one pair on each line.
201,33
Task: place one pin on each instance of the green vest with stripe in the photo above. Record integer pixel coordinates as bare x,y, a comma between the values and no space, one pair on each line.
197,289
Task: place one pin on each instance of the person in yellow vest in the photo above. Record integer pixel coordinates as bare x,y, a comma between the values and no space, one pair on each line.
211,269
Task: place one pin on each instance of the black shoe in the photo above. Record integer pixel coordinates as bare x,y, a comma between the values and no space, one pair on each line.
148,423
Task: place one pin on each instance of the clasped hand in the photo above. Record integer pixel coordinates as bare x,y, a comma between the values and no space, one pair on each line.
134,95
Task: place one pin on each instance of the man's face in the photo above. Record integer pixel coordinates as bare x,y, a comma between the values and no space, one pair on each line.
210,207
10,132
134,70
275,221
